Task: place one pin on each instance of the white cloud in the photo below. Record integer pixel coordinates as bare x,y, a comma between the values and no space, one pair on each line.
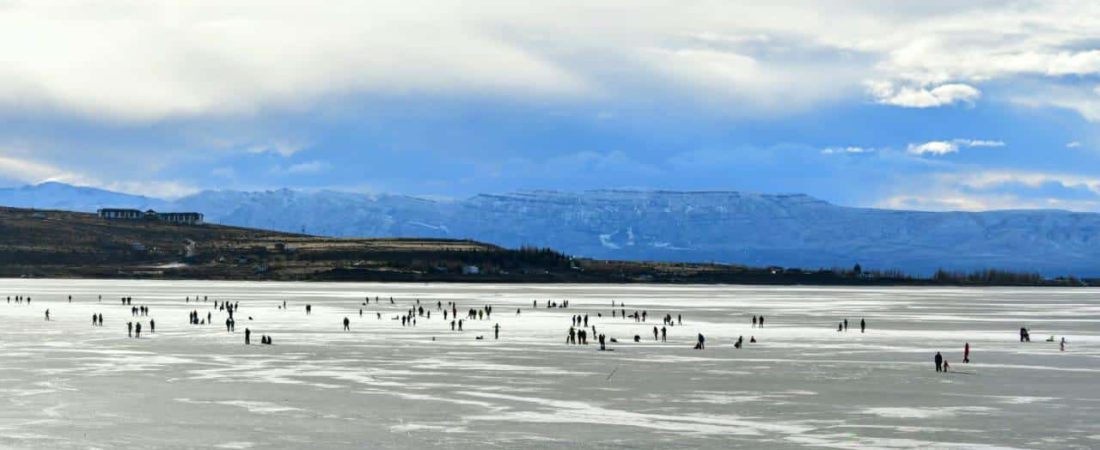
921,97
157,59
1073,144
140,61
934,148
984,190
848,150
32,172
979,143
278,147
28,171
952,146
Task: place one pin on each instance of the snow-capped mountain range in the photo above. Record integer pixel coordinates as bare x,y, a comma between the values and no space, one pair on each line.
752,229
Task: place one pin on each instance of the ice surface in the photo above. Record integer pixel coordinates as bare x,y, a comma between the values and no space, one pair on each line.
66,384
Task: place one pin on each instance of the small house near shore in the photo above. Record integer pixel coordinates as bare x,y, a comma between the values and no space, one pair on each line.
185,218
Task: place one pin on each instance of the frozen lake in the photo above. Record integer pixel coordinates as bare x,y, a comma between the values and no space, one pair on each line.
67,384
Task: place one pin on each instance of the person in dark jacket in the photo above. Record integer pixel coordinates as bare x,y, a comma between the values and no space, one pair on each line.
939,362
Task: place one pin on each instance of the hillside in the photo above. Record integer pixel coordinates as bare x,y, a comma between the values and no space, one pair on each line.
37,243
59,243
725,227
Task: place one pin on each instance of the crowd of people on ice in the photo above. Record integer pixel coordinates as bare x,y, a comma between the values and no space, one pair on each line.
578,332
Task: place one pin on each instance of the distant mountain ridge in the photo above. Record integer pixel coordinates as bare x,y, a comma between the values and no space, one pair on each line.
791,230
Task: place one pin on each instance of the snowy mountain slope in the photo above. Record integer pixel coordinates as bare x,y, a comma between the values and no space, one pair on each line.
61,196
754,229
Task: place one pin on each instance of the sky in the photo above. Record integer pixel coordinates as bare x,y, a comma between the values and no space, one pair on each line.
932,105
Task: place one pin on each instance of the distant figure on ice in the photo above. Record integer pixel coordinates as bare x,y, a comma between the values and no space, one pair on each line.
309,309
152,326
939,362
347,324
1062,344
247,336
1024,335
966,353
496,331
862,325
761,319
700,343
137,330
845,324
47,314
754,321
129,329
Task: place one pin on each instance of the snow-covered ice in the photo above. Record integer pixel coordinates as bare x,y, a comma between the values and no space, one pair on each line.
66,384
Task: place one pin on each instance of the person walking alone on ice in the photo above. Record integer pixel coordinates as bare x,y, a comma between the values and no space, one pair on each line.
496,331
347,324
247,336
862,325
966,353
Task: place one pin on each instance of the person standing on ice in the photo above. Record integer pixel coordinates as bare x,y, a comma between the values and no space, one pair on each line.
247,336
966,353
938,359
1062,345
862,325
347,324
137,330
152,326
701,343
496,331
